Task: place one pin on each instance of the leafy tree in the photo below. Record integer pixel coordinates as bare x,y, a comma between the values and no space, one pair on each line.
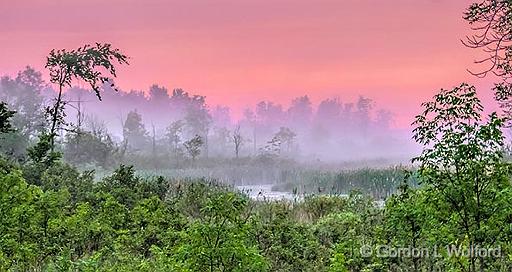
87,147
363,107
463,161
23,95
288,244
5,116
413,217
221,241
92,64
19,221
193,146
158,93
41,158
300,112
122,185
79,185
174,135
134,131
153,223
198,119
284,137
269,116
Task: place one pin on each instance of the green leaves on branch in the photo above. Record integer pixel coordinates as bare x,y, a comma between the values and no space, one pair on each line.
5,116
93,64
463,170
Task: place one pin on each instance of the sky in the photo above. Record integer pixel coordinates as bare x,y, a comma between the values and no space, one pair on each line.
239,52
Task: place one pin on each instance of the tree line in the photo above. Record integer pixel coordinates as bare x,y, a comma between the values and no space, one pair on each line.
179,127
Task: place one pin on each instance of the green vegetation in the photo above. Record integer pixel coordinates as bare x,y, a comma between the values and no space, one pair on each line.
62,220
378,183
5,115
56,218
70,223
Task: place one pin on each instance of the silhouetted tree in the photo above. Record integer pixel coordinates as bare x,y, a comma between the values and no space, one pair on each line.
300,113
220,139
238,140
221,117
23,95
250,119
363,107
89,147
5,116
198,119
158,94
284,136
193,146
88,63
490,20
134,132
173,135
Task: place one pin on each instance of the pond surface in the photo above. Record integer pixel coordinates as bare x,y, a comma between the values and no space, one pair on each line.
264,192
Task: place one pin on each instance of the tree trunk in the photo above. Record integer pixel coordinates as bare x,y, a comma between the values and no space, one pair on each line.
54,118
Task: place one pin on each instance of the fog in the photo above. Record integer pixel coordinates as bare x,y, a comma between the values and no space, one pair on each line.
335,130
335,145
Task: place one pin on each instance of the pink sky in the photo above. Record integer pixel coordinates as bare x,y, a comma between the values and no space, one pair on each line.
237,52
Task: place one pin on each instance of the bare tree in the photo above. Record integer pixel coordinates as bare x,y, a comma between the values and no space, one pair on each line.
490,20
238,140
124,143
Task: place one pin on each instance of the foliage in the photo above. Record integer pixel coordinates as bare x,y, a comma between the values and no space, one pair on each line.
288,244
221,239
134,132
282,142
85,63
462,161
22,95
193,146
377,182
5,116
88,63
174,137
41,157
86,147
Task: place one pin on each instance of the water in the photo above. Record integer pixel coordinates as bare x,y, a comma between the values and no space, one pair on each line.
264,192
